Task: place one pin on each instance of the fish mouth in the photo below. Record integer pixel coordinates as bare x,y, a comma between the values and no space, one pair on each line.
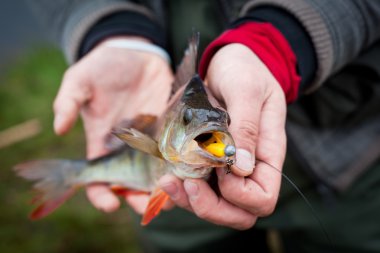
207,146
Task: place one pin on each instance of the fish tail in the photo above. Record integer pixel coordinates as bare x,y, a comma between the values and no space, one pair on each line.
54,183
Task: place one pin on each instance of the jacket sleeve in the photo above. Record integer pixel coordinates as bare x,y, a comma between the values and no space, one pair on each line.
68,22
339,30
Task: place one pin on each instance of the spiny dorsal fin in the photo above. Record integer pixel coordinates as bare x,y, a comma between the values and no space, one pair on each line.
188,66
138,140
144,123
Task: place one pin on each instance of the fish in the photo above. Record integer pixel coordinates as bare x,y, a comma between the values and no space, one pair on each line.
189,140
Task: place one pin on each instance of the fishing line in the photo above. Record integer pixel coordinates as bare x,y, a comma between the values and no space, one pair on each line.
315,215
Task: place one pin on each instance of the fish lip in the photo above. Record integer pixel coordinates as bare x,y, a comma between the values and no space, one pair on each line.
208,128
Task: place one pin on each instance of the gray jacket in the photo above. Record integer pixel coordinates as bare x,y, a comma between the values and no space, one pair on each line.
340,31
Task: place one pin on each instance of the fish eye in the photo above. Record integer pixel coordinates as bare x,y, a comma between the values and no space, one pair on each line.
188,116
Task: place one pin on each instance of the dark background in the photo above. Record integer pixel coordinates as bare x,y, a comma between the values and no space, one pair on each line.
19,31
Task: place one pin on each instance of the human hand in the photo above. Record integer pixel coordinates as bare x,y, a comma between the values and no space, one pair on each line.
257,107
105,87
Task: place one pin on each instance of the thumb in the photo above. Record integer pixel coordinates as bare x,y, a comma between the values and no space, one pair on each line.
245,112
238,78
71,96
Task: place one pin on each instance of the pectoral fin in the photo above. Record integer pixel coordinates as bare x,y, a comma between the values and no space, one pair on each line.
138,140
156,202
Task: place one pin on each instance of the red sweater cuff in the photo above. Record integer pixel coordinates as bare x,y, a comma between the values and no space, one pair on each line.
269,45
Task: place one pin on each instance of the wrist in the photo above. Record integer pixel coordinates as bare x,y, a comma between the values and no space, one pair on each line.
122,23
236,67
124,37
135,43
269,45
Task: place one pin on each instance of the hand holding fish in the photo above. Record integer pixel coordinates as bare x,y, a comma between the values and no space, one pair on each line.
106,86
257,107
186,143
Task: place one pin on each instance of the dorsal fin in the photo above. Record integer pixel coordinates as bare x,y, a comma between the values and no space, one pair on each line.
137,140
144,123
188,66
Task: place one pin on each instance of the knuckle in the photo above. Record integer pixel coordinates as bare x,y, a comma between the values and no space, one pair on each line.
246,224
203,213
75,76
268,210
232,193
181,202
257,90
185,206
248,130
268,205
242,196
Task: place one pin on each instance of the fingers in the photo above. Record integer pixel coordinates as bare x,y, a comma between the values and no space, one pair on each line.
96,131
258,193
242,199
207,205
271,147
196,195
73,97
250,195
138,202
245,115
102,197
241,85
173,186
74,92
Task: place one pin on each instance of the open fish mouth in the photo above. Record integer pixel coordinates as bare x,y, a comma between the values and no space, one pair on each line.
212,145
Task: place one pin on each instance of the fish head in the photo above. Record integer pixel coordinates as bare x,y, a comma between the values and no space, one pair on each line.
196,136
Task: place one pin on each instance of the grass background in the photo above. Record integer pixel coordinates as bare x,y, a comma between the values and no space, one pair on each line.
27,90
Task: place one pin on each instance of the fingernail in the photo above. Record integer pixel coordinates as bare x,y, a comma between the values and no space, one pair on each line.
244,160
171,189
191,188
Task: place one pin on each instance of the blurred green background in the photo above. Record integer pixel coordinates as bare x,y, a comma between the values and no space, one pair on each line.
30,73
27,90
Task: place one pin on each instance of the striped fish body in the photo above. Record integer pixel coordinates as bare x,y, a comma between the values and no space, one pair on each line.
57,180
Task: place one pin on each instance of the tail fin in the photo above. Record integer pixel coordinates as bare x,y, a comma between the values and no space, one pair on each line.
188,66
55,183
